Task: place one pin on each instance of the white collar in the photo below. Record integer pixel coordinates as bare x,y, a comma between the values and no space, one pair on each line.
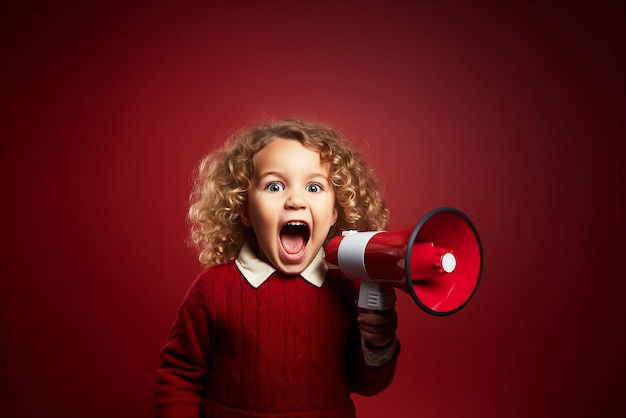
256,271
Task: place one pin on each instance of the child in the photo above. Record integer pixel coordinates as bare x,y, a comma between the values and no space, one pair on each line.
263,332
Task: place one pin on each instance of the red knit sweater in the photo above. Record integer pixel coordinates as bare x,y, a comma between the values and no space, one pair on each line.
286,349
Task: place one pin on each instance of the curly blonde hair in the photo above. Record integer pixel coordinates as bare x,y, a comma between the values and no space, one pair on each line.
220,190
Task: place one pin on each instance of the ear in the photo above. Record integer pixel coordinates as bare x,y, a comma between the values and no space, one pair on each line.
245,218
334,216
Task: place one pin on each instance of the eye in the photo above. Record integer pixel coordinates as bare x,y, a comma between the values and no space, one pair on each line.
314,188
274,187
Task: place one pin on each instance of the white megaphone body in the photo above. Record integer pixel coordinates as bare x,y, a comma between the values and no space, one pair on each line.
439,262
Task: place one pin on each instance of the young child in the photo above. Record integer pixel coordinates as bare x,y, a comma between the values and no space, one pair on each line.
263,331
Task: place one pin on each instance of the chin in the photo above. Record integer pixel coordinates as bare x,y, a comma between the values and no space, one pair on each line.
291,270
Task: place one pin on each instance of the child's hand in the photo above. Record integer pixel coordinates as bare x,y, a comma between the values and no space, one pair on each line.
378,328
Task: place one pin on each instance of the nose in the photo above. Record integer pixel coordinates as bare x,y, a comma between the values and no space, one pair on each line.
295,201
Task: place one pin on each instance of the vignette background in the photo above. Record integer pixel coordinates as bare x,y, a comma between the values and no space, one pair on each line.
511,111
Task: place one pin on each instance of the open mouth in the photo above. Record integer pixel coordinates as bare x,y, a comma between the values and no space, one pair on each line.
294,237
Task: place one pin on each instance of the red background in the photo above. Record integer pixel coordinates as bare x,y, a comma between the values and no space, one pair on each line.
511,112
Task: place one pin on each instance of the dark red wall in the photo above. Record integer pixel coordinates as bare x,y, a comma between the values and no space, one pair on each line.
512,113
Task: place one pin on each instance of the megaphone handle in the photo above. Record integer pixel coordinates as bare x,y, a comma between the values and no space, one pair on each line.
376,296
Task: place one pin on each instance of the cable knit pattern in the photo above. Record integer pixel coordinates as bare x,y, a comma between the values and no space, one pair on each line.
287,349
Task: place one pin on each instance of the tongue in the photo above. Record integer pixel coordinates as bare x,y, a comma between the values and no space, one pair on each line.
292,240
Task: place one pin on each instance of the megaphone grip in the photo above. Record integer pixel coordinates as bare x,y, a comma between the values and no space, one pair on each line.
376,296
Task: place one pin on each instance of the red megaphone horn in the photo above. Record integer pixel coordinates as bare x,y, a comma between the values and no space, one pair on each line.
439,262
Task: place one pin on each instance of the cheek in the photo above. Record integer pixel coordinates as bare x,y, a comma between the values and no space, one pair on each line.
329,217
262,213
333,210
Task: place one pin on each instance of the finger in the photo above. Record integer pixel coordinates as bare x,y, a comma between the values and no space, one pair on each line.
379,329
384,318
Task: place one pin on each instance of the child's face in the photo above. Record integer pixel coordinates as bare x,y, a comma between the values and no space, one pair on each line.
291,204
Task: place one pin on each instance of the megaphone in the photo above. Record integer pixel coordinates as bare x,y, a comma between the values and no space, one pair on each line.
438,262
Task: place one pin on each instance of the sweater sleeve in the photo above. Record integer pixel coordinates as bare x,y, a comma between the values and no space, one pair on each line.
379,356
369,380
181,375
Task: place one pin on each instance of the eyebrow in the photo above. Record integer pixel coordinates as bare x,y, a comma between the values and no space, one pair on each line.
261,176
